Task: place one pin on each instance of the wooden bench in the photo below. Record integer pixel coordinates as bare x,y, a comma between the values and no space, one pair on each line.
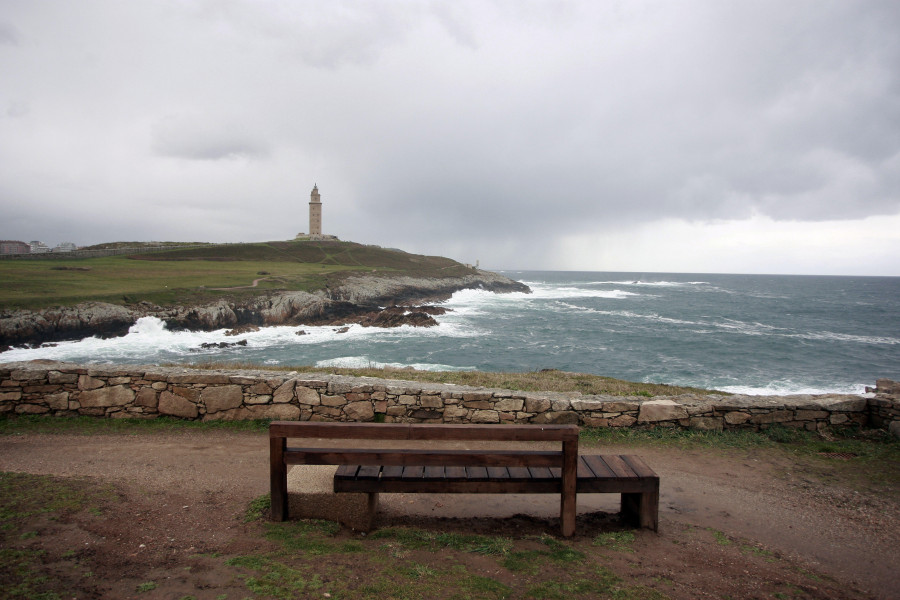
438,469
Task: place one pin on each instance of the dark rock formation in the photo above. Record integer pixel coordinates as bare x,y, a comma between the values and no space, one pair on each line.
359,299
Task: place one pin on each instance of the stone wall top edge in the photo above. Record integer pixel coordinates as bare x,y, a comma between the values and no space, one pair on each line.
794,402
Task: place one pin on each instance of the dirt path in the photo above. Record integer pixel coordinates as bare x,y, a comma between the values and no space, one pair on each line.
192,484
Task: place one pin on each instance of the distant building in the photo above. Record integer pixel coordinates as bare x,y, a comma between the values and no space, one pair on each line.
315,212
38,247
14,247
65,247
315,219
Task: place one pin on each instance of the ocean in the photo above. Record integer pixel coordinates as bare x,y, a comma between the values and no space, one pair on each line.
754,334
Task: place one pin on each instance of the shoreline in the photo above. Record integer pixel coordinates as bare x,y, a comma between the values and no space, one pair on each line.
377,301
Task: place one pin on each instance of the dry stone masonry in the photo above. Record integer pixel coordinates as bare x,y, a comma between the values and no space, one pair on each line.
62,389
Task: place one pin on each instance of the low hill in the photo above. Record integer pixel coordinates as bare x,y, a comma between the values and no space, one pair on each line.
228,285
178,276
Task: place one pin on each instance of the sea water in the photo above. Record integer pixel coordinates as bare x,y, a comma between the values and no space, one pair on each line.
754,334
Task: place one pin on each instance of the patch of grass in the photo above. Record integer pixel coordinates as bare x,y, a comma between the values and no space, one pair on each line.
721,538
619,541
191,275
413,539
275,579
307,536
258,508
602,583
147,586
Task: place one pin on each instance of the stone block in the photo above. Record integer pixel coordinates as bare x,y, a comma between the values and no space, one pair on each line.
119,395
261,399
595,422
260,389
426,414
620,406
360,411
159,385
334,400
86,382
455,412
776,416
706,423
810,415
192,394
623,421
556,418
838,418
176,406
485,416
335,388
119,380
222,397
654,411
894,428
284,393
146,397
205,378
58,401
431,402
311,496
479,404
31,409
10,396
736,417
509,404
59,378
307,396
41,389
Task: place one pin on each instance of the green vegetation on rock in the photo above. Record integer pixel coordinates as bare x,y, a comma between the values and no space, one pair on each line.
194,275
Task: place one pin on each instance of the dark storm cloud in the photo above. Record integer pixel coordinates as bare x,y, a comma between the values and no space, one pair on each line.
516,130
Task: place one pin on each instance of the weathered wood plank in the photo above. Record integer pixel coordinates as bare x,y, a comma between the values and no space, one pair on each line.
415,431
454,458
278,479
346,471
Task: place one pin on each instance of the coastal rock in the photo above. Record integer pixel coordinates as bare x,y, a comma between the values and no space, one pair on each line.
357,300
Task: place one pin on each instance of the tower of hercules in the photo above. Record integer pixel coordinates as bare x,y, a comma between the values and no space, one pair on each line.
315,212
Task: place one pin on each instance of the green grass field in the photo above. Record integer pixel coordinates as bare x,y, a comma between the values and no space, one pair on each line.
187,276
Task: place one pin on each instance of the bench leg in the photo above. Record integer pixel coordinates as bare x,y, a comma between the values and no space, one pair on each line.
642,509
278,479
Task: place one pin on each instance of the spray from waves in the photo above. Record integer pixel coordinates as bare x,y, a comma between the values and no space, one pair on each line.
364,362
790,389
150,341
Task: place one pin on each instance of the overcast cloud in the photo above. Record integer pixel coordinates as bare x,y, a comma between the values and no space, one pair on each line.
727,136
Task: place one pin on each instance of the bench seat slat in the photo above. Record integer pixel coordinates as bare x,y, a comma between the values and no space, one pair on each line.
598,467
413,472
476,474
498,473
384,457
618,466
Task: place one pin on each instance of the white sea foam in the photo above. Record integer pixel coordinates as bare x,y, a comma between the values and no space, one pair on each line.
364,362
791,389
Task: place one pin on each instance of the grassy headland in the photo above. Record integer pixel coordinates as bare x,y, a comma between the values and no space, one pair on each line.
190,275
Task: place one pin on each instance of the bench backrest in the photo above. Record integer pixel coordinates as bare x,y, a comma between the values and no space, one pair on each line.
280,431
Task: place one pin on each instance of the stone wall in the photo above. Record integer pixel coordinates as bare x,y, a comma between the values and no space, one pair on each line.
884,408
61,389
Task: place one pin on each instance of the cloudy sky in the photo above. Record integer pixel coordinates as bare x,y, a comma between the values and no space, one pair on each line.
693,136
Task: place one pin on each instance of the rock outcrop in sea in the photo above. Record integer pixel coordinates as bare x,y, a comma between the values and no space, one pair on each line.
374,301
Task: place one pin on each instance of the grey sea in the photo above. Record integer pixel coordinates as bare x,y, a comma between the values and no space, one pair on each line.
756,334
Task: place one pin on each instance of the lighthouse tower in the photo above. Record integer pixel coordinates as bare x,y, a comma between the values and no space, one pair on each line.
315,212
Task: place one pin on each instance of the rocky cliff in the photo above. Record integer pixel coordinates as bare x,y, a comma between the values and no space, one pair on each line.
358,299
